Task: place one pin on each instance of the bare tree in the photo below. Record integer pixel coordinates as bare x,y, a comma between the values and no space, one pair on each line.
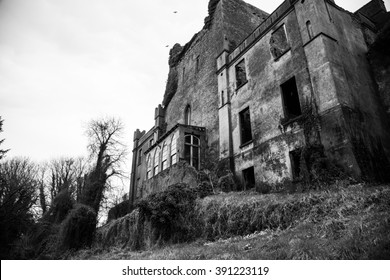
59,184
107,151
2,152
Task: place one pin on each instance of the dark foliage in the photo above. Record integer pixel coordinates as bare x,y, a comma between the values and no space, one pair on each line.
120,210
62,204
170,212
18,187
78,228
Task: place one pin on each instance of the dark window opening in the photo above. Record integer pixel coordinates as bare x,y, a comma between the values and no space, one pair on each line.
278,43
295,158
241,73
309,30
197,64
245,126
249,178
187,115
291,105
192,150
139,156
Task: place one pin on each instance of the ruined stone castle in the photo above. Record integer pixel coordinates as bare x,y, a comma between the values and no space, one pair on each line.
251,90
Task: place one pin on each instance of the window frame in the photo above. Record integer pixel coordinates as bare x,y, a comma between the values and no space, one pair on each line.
164,157
192,146
187,115
288,116
139,156
149,167
173,151
243,141
156,161
240,65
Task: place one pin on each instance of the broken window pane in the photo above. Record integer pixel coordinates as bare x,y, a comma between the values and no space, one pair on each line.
241,73
278,42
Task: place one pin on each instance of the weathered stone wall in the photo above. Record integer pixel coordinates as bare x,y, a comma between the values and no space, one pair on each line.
178,173
269,151
365,117
379,57
197,87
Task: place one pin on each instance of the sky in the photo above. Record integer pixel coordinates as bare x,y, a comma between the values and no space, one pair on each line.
66,62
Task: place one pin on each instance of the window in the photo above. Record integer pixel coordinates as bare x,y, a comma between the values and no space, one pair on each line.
197,64
241,74
295,159
278,42
192,150
249,178
291,105
245,126
139,156
187,115
164,161
156,161
174,149
149,168
309,30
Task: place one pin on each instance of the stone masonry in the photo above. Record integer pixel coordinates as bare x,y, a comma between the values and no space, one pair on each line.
237,92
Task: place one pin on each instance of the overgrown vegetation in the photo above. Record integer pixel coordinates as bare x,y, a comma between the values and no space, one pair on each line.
341,222
171,212
47,210
18,185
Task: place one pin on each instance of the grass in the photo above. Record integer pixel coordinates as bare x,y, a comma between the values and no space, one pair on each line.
342,222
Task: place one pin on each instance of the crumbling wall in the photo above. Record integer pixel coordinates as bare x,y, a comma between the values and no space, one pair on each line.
178,173
269,151
192,67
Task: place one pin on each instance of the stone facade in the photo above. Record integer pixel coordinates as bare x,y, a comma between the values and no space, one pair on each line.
239,89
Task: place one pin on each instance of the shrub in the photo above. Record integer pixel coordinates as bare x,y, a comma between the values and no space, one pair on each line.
228,183
78,228
120,210
170,213
62,204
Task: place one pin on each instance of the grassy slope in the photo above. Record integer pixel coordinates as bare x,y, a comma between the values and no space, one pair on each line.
340,223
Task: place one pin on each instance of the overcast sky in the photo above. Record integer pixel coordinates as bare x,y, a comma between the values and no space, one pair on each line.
65,62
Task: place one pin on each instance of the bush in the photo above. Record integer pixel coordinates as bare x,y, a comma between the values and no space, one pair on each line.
62,204
228,183
170,213
78,228
120,210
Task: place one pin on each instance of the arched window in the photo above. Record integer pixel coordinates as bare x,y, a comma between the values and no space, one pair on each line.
156,161
187,115
149,167
192,150
309,30
174,149
164,161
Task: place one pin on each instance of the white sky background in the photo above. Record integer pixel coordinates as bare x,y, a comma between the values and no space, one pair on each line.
65,62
